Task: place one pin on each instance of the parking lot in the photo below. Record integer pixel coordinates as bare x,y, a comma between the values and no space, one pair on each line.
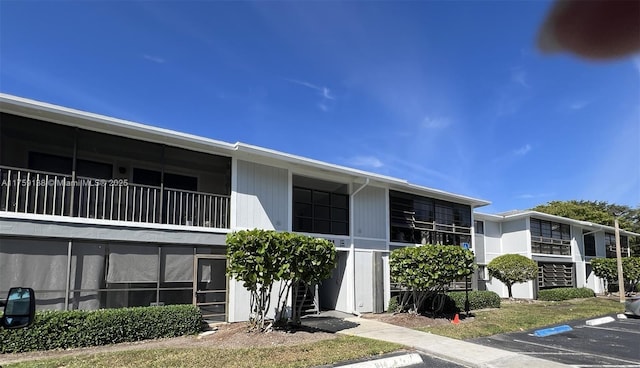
613,344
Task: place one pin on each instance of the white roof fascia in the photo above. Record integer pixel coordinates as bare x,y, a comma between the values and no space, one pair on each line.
104,124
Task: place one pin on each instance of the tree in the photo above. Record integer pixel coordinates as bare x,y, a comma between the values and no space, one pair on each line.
262,258
598,212
512,269
424,270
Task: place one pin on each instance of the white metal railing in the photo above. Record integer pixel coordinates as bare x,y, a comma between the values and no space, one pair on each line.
35,192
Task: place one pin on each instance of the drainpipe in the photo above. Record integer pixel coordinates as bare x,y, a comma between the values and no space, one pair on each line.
353,246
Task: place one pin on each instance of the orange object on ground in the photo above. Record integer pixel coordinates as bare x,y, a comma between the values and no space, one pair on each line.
456,319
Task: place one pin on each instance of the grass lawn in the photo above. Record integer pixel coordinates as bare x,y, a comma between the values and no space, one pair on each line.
513,317
304,355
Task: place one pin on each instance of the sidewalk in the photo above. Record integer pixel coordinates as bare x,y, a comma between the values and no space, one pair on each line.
458,351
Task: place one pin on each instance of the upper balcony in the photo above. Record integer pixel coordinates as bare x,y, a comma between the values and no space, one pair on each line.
50,169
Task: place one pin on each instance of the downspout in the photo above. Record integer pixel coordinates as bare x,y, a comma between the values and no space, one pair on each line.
353,245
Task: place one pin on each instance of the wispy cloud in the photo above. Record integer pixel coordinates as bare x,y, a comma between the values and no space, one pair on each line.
534,195
155,59
435,123
522,150
366,161
579,105
324,92
519,76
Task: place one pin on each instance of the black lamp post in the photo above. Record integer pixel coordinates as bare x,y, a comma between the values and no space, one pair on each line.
466,295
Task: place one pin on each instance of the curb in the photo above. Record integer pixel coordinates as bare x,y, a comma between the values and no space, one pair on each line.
599,321
404,360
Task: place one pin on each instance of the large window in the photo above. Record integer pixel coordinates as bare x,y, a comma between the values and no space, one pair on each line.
322,212
548,237
610,245
421,220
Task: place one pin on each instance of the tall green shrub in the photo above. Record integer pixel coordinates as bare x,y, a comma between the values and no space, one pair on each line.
426,269
512,269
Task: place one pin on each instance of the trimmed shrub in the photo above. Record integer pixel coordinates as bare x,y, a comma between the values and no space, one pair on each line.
73,329
477,300
424,271
558,294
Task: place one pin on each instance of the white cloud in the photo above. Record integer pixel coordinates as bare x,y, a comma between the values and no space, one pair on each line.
154,59
366,161
435,123
579,105
324,92
519,76
533,196
522,150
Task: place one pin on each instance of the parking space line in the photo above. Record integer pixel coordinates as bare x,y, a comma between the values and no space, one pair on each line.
573,351
614,329
609,366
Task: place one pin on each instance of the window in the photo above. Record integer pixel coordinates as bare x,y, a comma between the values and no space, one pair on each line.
610,245
322,212
171,181
549,237
64,165
421,220
590,245
479,226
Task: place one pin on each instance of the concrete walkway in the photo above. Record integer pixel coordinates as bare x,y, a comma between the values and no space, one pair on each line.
458,351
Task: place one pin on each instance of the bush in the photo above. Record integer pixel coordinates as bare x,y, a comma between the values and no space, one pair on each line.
565,294
425,270
477,300
393,305
73,329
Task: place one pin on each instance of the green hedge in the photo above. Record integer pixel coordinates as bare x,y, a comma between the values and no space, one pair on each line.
477,300
565,293
72,329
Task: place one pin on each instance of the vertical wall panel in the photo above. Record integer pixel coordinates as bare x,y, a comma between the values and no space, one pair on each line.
370,213
514,238
261,196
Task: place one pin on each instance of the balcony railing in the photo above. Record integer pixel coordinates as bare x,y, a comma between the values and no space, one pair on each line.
544,245
36,192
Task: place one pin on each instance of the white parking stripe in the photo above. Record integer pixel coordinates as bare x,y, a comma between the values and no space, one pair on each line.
614,329
579,352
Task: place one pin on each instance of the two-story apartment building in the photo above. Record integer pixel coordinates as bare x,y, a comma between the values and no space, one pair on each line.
562,247
97,212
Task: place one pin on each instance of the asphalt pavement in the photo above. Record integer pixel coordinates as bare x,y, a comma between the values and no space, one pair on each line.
612,344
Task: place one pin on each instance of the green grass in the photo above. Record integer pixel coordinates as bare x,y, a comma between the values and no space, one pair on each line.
513,317
304,355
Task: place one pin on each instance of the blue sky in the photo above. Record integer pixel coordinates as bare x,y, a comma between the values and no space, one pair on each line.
448,94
